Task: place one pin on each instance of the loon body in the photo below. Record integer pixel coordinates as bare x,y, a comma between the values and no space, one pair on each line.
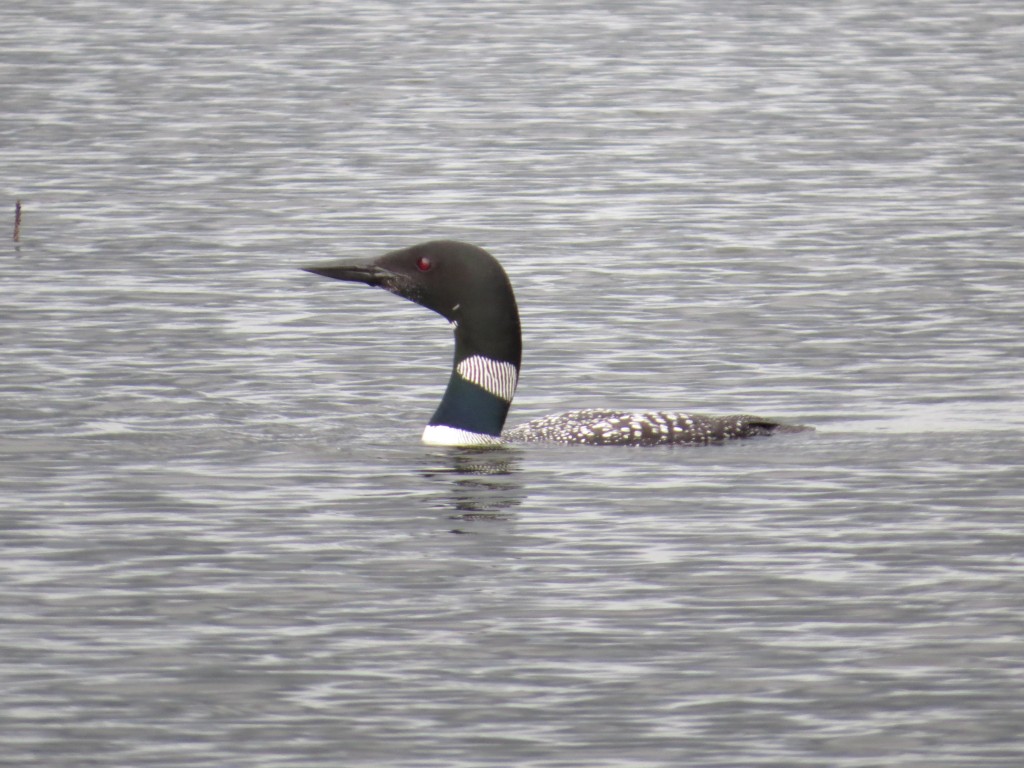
469,288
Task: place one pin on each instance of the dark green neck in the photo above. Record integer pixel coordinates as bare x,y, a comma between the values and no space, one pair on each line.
466,405
470,408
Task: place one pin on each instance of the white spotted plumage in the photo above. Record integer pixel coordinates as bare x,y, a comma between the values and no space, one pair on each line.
603,427
498,377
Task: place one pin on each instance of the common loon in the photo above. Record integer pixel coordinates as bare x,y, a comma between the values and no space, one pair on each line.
469,288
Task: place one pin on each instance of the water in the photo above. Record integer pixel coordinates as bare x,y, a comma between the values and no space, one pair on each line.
222,543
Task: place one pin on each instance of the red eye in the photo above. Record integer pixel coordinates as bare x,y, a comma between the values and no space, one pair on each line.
423,264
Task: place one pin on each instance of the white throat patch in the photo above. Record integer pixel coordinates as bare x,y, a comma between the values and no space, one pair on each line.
495,376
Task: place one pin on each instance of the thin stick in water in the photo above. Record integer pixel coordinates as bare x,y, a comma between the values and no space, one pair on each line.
17,221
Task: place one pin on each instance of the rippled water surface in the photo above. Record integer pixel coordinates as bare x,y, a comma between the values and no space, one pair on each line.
221,542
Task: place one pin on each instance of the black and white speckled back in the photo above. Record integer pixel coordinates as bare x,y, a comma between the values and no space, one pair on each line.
606,427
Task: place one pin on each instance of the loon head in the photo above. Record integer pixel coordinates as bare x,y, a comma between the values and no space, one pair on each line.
468,287
461,282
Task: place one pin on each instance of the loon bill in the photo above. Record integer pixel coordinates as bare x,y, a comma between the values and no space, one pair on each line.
468,287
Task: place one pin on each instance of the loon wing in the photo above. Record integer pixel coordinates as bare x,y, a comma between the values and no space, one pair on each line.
605,427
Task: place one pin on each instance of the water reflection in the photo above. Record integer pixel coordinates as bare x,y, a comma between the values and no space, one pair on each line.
478,484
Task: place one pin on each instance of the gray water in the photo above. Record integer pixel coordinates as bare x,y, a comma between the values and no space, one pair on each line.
221,542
